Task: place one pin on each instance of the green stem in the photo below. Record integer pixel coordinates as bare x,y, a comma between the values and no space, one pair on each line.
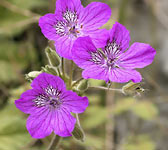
59,72
71,74
77,119
54,142
106,88
77,81
62,66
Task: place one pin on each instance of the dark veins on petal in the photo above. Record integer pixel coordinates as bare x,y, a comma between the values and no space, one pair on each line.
51,98
69,25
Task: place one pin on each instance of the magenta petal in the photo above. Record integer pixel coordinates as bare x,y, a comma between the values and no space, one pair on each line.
121,36
63,47
25,103
95,72
46,24
44,80
99,37
64,122
63,5
74,103
94,15
121,75
50,107
39,124
81,51
139,55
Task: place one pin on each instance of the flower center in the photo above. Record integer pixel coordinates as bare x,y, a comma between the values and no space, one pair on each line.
51,98
108,57
54,102
69,25
110,62
112,49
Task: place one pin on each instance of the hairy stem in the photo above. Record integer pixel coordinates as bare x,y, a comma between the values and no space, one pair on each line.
54,142
59,72
77,119
77,81
105,88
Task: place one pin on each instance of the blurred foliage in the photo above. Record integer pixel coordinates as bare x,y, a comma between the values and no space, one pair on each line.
29,4
92,120
20,53
141,142
13,133
16,15
143,109
9,22
14,57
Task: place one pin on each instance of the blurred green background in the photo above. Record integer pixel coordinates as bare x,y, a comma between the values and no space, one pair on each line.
112,121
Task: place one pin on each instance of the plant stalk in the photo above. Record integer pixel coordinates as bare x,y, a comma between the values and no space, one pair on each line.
71,74
105,88
62,66
54,142
77,81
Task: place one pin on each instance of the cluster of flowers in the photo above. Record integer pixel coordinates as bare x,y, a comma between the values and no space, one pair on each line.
101,53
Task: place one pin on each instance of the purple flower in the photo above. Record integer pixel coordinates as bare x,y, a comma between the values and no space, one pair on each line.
112,62
50,105
71,20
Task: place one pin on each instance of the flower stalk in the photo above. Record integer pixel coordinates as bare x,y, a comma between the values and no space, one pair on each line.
54,142
105,88
77,81
62,67
78,132
71,74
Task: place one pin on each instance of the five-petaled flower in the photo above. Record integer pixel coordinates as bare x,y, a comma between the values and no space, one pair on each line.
50,105
112,62
71,20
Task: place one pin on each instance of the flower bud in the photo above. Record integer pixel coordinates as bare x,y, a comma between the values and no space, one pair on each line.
52,56
132,88
78,133
31,75
49,69
83,85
